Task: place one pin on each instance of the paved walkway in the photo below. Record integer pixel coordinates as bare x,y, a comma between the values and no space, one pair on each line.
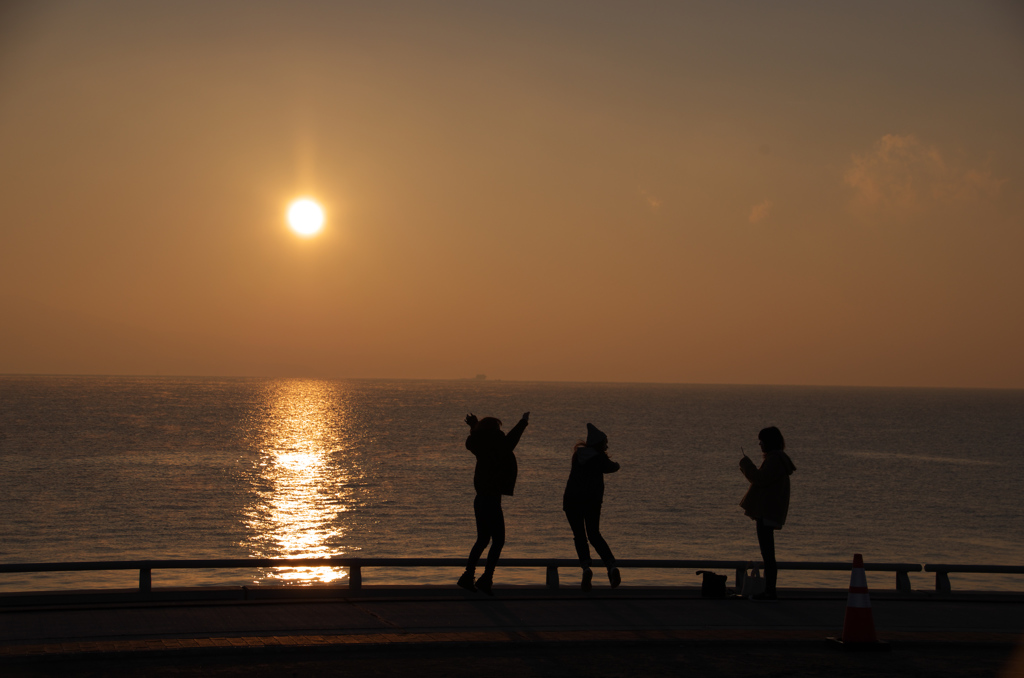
382,619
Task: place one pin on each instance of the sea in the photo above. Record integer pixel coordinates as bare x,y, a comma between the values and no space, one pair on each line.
123,468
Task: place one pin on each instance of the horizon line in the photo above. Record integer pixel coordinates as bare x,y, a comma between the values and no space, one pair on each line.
500,380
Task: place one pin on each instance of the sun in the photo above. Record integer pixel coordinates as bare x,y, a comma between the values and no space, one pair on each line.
305,217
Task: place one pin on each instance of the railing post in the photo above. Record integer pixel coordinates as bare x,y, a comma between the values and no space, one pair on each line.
902,580
145,580
355,577
942,582
551,579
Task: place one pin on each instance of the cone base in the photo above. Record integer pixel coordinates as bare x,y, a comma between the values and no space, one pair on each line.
876,646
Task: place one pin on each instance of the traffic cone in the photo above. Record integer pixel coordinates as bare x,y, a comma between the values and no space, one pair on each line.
859,625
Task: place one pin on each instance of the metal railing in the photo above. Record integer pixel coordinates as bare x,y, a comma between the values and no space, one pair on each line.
942,572
355,566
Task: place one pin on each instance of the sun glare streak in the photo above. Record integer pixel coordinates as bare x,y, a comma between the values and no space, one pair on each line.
299,489
306,217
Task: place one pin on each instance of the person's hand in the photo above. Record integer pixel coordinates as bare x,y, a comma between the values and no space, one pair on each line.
526,417
471,420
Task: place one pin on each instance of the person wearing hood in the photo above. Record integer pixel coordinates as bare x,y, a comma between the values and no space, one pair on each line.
584,493
495,475
767,500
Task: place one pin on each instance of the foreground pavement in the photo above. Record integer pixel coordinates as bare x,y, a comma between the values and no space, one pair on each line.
520,631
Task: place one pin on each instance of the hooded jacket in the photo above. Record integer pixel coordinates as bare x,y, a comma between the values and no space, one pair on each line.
496,466
586,478
768,496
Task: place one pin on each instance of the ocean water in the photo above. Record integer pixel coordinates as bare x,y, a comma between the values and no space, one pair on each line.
112,468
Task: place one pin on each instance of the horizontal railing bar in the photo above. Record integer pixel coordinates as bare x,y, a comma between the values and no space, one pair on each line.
171,564
872,567
979,569
231,563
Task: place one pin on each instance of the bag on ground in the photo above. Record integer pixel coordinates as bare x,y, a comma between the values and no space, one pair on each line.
753,584
713,585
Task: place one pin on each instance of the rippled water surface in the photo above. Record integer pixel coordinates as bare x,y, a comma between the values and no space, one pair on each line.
119,468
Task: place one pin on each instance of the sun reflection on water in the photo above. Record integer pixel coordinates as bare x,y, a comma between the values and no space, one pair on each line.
301,479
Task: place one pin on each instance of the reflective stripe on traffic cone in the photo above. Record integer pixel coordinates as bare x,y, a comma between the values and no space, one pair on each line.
859,625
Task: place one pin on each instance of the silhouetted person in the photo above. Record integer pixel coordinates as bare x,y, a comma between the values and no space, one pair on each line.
584,493
495,475
767,500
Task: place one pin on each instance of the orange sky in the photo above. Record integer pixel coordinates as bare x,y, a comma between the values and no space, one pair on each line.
744,192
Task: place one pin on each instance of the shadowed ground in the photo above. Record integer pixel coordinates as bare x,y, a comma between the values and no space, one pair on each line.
426,632
555,660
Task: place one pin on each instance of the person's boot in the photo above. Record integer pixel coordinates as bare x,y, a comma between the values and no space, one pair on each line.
614,578
485,583
466,580
588,578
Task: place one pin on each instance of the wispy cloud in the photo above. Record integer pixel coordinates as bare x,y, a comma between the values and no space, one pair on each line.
760,211
900,171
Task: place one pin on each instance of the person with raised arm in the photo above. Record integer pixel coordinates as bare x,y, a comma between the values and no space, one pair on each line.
584,494
767,500
495,475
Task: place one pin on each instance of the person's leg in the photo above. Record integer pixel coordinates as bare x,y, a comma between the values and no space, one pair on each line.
483,535
494,524
766,540
577,522
483,532
497,527
593,524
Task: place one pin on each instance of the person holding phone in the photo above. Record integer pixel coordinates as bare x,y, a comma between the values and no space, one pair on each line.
767,500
